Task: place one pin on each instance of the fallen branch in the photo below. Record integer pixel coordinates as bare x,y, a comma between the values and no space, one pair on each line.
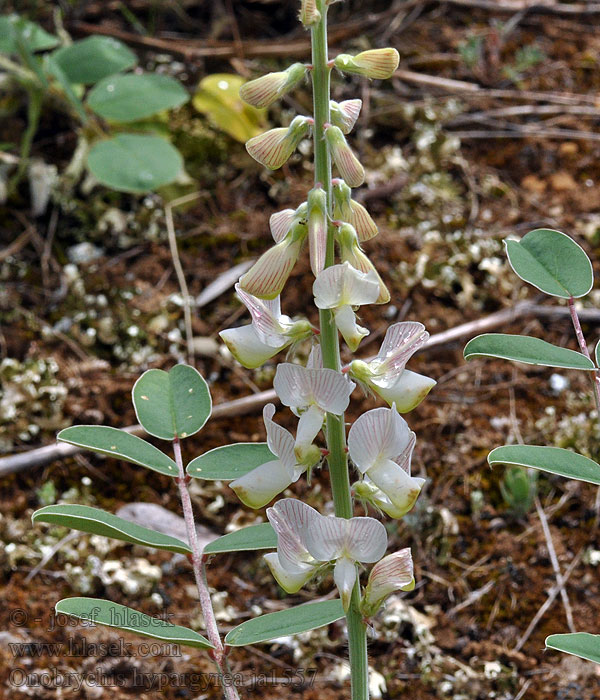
44,455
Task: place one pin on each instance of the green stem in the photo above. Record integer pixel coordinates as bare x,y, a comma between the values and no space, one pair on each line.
336,432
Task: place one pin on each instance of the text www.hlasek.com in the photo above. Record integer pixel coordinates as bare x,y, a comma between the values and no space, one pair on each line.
54,678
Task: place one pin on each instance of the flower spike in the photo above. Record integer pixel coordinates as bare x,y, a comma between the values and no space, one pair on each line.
317,228
344,114
273,148
347,163
267,277
265,90
350,211
375,63
392,573
351,252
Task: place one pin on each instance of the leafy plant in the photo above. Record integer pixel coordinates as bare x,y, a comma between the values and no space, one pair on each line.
519,488
88,77
175,405
556,265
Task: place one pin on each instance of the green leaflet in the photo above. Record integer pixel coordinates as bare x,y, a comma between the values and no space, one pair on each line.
554,460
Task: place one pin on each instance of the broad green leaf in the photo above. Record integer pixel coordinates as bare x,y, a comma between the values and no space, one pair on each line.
523,348
172,404
36,38
285,622
230,461
119,444
134,162
597,354
249,538
129,98
99,522
554,460
582,644
104,612
218,98
56,70
89,60
552,262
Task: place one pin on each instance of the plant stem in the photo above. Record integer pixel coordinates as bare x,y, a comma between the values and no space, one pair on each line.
198,564
584,349
335,431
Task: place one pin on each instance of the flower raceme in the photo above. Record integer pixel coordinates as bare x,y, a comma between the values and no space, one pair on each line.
311,393
307,540
259,486
340,287
386,374
265,90
273,148
374,63
269,333
381,444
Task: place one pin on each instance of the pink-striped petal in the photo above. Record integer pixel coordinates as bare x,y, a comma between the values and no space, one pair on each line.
267,277
344,114
279,440
299,387
273,148
309,425
374,63
379,435
247,348
291,519
344,576
317,228
315,358
347,163
265,317
339,285
280,223
309,14
401,342
263,91
366,540
364,225
393,573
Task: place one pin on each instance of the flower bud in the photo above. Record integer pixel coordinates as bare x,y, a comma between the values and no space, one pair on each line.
317,228
390,574
375,63
351,252
274,147
347,163
266,278
344,114
265,90
346,209
309,15
283,221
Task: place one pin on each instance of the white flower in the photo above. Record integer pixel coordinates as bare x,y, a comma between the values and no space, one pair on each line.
347,209
340,287
282,222
273,148
344,114
311,393
347,163
263,91
381,444
393,573
306,540
261,485
374,63
270,331
386,374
